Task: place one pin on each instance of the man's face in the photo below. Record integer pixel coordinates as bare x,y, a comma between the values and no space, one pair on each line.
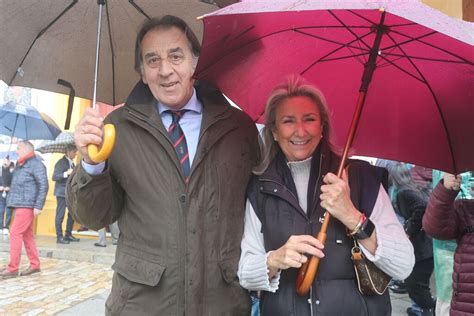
71,154
168,66
21,150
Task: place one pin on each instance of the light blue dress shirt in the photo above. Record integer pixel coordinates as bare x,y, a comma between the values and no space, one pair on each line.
190,123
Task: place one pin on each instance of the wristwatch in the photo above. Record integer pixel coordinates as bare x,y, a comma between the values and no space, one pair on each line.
365,231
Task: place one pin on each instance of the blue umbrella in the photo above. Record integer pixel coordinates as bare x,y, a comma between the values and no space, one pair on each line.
26,122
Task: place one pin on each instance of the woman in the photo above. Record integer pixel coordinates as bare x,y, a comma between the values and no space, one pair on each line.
411,204
287,197
447,218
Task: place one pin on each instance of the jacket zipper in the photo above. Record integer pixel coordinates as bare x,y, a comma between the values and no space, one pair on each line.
182,222
292,194
317,181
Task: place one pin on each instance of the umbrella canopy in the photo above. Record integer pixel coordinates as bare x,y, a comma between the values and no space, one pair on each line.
419,98
58,145
26,122
46,40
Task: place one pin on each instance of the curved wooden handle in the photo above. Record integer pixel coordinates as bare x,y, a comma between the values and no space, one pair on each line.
308,270
107,145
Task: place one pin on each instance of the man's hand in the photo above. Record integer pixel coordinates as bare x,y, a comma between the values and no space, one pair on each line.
89,130
452,182
69,171
36,211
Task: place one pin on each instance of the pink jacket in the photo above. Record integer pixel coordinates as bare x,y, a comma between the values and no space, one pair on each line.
447,218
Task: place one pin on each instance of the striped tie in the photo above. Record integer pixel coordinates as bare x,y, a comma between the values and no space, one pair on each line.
179,141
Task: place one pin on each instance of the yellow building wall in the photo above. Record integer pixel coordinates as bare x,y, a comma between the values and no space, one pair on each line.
450,7
44,224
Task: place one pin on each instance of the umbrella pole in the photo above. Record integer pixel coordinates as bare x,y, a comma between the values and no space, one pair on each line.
101,4
93,151
13,132
307,272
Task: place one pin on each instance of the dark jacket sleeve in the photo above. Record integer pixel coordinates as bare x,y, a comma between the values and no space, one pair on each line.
59,168
6,176
94,200
41,179
440,220
411,206
1,178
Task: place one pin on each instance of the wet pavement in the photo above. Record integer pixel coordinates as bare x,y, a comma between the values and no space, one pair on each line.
75,279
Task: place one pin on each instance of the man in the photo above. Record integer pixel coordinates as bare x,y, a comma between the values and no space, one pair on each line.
62,171
180,210
27,196
114,231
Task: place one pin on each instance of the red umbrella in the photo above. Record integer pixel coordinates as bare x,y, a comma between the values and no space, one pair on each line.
419,104
400,68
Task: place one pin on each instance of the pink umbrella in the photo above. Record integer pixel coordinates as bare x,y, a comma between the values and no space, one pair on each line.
419,103
402,70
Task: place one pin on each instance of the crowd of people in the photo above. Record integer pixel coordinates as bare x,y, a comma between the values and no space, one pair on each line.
211,215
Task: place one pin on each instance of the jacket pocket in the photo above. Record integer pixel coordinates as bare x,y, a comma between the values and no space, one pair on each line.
138,270
228,269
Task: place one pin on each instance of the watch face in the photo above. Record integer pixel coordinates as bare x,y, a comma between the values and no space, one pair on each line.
366,230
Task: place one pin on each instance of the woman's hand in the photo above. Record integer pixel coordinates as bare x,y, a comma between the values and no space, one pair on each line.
452,182
293,253
336,199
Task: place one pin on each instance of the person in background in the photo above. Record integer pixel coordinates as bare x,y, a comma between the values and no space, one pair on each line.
411,203
175,182
396,286
62,170
27,196
444,249
292,189
114,231
5,181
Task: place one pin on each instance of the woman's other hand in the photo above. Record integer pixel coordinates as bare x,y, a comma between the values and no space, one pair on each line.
452,182
294,253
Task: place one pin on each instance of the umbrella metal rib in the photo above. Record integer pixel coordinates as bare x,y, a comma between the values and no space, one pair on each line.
38,36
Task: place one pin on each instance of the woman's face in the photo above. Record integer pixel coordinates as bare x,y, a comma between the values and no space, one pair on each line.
298,128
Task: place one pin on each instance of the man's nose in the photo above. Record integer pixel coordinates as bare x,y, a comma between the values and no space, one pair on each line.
165,68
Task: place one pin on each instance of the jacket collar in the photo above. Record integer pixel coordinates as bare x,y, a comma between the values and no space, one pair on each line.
25,158
142,100
215,108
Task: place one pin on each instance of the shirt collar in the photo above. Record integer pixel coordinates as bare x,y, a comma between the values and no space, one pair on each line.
192,105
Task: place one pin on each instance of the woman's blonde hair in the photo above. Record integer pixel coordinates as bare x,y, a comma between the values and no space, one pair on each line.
293,87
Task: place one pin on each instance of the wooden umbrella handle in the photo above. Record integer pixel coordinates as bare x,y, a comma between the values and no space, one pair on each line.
97,155
307,272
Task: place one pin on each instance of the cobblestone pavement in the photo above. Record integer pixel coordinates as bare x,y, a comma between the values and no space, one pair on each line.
79,286
60,285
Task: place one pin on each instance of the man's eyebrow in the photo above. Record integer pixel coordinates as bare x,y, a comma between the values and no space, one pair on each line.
151,54
175,50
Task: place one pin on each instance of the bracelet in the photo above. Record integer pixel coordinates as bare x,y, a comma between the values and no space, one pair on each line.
362,220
